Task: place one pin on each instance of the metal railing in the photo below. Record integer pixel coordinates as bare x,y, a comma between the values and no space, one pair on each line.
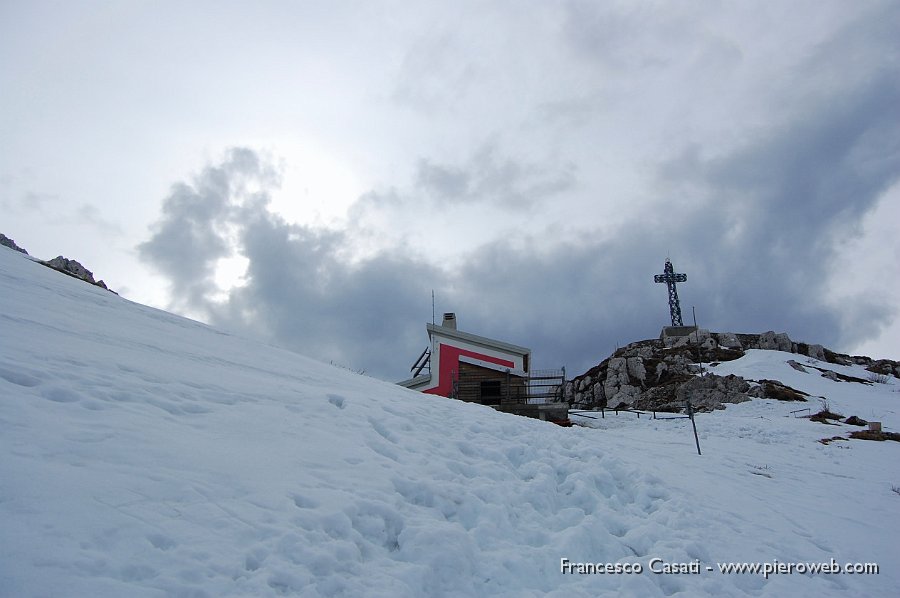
504,388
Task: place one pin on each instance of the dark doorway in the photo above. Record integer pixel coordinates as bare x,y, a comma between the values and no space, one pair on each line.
490,392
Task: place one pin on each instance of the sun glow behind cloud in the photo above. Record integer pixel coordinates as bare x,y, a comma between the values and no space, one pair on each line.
315,189
317,185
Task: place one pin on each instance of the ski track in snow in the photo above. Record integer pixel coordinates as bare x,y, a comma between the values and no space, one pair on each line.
143,454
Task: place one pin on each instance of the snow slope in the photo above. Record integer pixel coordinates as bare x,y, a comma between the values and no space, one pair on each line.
143,454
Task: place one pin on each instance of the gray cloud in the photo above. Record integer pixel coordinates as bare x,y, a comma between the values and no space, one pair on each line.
192,234
630,35
571,301
300,291
776,208
754,219
306,297
488,178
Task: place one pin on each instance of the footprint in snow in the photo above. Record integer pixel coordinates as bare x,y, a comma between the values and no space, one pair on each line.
19,378
60,395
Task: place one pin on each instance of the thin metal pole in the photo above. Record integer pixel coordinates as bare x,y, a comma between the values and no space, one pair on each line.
690,409
697,336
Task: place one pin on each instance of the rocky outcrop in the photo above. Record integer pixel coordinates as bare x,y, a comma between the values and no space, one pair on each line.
773,342
75,269
816,352
661,374
7,242
883,367
711,392
61,264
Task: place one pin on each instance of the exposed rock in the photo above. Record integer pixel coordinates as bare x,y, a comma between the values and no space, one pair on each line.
658,374
636,369
616,378
660,370
756,391
584,383
75,269
625,396
766,341
837,376
729,340
784,343
569,392
711,392
72,267
679,364
672,336
885,367
598,394
660,398
816,352
773,389
7,242
832,357
873,435
616,372
797,366
774,342
697,337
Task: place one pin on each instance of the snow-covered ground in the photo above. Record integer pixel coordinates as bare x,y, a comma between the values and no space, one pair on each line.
143,454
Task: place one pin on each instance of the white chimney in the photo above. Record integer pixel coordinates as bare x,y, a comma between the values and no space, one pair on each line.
449,320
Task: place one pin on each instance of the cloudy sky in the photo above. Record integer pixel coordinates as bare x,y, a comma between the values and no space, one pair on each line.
309,172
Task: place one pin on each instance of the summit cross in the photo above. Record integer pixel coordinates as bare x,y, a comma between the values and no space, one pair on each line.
670,278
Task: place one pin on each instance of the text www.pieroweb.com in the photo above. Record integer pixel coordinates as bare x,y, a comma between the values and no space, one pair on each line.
695,567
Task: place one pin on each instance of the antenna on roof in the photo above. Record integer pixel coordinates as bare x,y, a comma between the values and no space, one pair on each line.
432,307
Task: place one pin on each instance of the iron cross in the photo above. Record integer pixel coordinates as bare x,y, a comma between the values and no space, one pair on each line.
670,278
